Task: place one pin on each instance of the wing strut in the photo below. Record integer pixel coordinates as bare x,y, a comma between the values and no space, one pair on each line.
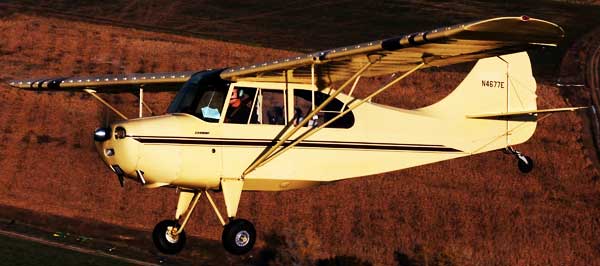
264,156
141,98
142,103
93,93
366,99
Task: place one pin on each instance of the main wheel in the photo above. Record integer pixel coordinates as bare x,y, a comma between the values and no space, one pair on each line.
525,164
164,239
238,236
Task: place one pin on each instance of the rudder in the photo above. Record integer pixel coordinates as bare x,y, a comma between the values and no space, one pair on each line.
499,84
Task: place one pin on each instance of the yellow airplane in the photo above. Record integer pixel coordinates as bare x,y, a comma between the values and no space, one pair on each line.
294,122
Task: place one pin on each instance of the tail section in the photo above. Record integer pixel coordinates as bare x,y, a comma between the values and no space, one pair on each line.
496,85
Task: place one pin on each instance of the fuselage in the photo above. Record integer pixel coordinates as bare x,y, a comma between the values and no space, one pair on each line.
197,143
183,150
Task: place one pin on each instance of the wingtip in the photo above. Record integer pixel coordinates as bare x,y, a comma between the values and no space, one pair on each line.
15,83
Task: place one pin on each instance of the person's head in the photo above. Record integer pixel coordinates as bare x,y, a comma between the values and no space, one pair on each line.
235,100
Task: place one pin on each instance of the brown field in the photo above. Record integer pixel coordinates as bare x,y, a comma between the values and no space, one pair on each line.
473,211
305,25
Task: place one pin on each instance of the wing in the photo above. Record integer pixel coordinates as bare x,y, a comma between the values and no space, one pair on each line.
439,47
168,81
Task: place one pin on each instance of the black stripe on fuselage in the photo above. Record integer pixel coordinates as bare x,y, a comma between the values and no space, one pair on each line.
307,144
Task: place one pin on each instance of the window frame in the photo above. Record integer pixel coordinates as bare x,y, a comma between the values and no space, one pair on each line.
288,90
261,86
322,95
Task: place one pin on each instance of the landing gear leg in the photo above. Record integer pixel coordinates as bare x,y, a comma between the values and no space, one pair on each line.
238,235
524,162
168,235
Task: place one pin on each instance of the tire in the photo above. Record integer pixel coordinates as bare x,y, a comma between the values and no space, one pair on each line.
525,165
164,241
238,236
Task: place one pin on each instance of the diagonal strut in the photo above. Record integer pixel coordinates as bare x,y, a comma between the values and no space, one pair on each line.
295,129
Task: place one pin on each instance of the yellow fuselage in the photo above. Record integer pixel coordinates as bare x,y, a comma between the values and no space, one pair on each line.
182,150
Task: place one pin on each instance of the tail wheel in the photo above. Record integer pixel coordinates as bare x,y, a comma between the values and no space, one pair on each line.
238,236
164,239
525,164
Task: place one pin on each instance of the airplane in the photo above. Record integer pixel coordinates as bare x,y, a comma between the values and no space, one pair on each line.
294,123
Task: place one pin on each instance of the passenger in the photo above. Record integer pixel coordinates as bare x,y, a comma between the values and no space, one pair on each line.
297,116
276,116
238,111
314,122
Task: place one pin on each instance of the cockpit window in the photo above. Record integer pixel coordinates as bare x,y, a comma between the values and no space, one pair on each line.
256,106
202,96
303,103
270,107
241,101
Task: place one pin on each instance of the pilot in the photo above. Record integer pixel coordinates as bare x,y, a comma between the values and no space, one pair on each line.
238,111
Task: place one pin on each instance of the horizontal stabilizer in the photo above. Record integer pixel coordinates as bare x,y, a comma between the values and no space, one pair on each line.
522,115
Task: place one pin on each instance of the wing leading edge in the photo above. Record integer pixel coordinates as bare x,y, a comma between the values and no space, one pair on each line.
439,47
167,81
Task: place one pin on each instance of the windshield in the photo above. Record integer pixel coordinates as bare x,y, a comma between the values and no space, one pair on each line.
203,96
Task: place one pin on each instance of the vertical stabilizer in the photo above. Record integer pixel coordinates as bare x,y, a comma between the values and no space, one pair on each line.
501,84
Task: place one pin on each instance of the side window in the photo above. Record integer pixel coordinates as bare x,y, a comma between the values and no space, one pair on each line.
303,100
240,103
269,107
303,104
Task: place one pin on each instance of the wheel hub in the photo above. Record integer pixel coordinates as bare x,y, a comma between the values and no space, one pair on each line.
242,238
170,236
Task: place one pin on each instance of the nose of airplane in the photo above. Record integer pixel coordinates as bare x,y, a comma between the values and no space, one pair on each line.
123,147
119,153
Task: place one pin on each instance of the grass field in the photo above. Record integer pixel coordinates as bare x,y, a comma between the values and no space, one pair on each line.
15,252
